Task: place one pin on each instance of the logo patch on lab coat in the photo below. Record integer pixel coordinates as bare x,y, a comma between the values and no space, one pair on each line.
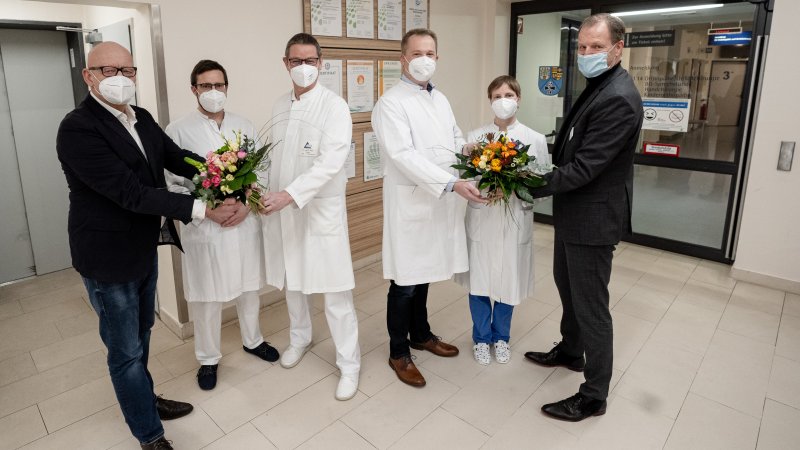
308,150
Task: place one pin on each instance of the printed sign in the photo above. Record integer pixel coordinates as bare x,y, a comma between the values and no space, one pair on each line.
666,114
654,148
742,38
664,38
550,80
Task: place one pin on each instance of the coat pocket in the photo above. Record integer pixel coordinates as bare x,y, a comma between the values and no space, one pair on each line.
414,204
325,216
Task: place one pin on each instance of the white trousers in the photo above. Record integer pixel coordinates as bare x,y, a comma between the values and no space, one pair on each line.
208,325
342,321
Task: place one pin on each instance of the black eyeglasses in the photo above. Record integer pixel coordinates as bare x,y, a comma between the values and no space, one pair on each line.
294,62
209,86
111,71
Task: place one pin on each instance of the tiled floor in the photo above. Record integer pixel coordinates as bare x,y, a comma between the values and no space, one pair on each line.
701,362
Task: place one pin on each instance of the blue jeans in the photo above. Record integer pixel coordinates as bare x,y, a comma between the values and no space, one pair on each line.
127,312
489,325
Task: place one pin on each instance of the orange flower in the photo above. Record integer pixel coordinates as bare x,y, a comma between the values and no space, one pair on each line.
497,165
512,153
476,161
511,145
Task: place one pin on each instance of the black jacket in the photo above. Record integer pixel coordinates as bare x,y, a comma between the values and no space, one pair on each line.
592,186
117,197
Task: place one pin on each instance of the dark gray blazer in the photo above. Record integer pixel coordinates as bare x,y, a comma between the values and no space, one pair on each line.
592,186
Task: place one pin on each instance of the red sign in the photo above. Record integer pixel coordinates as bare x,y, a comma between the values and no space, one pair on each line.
654,148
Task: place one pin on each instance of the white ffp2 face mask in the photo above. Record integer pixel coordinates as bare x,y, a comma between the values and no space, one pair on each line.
422,68
304,75
504,107
212,101
117,90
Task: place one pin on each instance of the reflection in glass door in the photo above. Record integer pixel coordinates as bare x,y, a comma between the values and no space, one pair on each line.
694,69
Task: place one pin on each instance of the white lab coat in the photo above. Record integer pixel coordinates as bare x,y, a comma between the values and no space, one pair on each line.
219,263
500,239
307,243
424,239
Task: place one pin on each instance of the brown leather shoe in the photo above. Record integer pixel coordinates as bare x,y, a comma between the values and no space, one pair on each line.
406,371
436,346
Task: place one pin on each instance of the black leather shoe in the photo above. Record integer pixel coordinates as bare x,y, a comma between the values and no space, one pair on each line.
160,444
556,357
170,409
207,377
264,351
575,408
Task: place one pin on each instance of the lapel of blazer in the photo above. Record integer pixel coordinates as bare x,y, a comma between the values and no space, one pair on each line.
145,137
113,123
563,134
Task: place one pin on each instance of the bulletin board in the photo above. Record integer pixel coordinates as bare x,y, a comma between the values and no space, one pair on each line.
364,33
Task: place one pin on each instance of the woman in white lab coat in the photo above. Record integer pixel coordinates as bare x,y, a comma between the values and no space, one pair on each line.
499,239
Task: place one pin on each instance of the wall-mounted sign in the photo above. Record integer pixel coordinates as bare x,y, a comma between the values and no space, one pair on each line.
724,30
742,38
664,38
654,148
666,114
550,80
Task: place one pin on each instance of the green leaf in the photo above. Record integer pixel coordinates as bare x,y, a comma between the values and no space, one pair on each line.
524,195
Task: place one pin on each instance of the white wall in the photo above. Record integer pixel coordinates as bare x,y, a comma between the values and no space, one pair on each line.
769,243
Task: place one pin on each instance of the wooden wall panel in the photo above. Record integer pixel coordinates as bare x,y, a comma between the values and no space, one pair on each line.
365,223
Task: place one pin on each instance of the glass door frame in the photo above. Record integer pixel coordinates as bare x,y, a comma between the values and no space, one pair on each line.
737,169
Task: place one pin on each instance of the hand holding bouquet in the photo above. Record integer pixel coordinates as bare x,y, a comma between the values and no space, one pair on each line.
502,166
230,172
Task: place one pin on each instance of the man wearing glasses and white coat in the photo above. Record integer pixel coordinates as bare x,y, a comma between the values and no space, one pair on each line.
305,223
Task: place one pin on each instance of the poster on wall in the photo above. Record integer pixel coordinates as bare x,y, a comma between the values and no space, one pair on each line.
416,14
666,114
388,75
373,169
350,162
360,85
390,20
360,20
326,18
330,75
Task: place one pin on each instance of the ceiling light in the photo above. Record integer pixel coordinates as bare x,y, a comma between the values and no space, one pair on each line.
666,10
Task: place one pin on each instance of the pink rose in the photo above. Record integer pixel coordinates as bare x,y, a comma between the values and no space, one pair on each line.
206,183
241,154
215,180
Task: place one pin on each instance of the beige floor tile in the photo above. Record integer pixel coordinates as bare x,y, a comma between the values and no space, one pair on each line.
72,406
41,284
367,280
47,299
735,372
757,297
780,427
34,330
546,292
66,350
372,301
375,371
299,418
336,436
630,334
193,431
526,315
543,256
20,428
791,305
529,428
274,318
542,271
489,399
459,370
639,258
16,368
102,430
714,273
10,309
158,371
540,339
626,425
750,323
79,324
783,382
661,283
706,295
382,421
178,360
706,424
442,430
645,303
242,438
452,321
162,339
231,408
40,387
659,378
372,332
788,344
442,294
687,326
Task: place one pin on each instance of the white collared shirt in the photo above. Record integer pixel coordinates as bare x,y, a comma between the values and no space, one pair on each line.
127,119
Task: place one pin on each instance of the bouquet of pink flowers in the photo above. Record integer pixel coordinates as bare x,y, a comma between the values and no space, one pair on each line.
230,171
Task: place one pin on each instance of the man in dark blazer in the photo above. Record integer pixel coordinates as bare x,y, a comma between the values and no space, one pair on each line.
113,156
592,188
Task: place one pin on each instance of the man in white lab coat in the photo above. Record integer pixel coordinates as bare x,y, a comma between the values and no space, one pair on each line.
424,239
307,247
221,263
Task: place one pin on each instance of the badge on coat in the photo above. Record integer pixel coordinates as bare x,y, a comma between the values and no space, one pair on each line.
550,80
308,150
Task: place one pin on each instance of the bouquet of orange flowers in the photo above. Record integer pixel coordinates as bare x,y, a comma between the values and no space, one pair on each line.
502,166
230,171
